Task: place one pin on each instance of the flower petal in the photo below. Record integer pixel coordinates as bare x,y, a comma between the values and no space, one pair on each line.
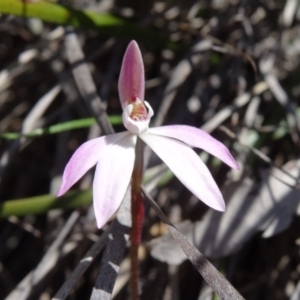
84,158
188,167
113,174
197,138
132,78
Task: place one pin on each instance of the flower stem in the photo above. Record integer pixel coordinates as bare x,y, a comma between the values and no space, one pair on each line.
137,215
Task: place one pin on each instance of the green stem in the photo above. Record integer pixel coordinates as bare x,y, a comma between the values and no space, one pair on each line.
137,215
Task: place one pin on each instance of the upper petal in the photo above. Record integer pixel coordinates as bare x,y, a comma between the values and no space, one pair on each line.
113,174
132,78
188,167
197,138
84,158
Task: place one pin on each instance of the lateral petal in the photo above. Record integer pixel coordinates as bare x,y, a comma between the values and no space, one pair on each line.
197,138
188,167
84,158
113,174
132,78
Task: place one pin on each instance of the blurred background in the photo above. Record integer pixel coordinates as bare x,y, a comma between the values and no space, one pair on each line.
228,67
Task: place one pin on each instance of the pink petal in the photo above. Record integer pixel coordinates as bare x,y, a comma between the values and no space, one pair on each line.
84,158
131,80
197,138
188,167
112,177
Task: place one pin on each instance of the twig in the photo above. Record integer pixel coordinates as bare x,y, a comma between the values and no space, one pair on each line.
227,111
83,265
289,12
281,96
113,254
29,124
180,74
211,275
84,81
26,286
261,155
218,45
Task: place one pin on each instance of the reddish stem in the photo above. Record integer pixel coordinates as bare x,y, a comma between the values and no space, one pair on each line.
137,215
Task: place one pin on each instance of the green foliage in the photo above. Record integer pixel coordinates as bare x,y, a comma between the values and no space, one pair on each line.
61,127
43,203
84,19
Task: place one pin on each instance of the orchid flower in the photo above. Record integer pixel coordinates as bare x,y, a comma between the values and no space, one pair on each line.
115,154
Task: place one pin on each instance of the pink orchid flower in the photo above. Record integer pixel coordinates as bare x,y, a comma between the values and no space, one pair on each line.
115,154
